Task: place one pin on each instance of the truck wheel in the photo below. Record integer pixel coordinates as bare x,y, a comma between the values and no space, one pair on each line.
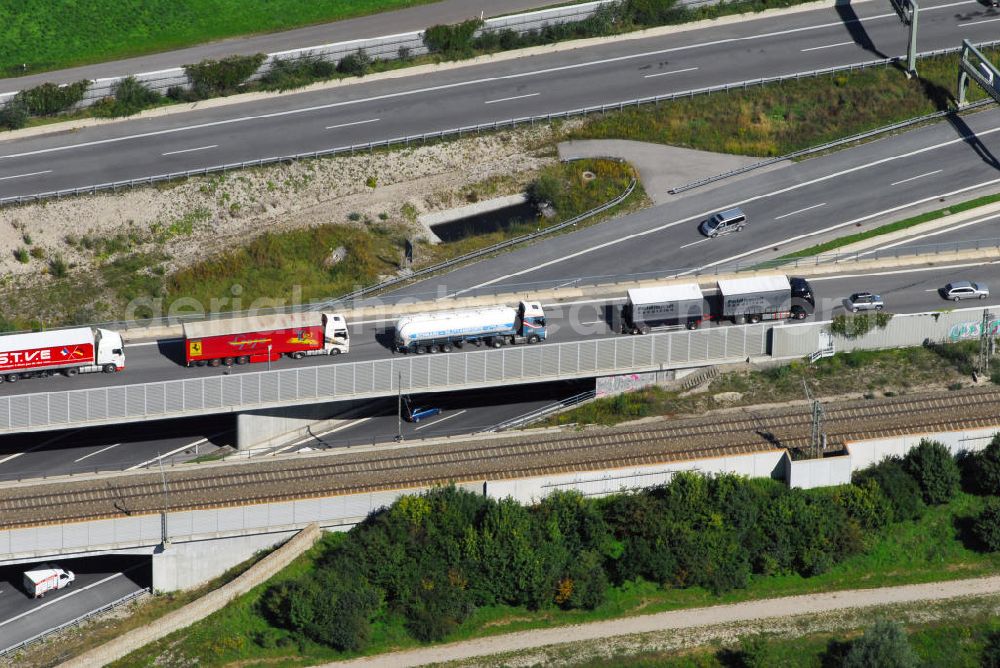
419,350
228,361
69,373
242,359
214,362
200,363
754,319
496,343
334,351
109,368
446,348
534,338
297,355
433,348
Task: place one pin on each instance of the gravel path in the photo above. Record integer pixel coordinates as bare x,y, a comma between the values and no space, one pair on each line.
750,611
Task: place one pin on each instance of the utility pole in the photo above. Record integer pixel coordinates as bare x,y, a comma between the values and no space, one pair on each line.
908,12
399,407
818,438
164,535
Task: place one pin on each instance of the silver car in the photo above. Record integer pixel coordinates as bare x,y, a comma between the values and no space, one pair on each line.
724,222
965,290
865,301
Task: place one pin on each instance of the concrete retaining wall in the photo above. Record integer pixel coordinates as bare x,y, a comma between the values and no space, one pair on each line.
204,606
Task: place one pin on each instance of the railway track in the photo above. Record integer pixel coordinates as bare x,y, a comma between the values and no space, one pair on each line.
331,474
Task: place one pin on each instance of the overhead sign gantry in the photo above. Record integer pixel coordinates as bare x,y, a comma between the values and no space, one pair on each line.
973,64
908,11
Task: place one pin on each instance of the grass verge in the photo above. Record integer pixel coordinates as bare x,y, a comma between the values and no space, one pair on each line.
925,550
777,119
887,372
833,244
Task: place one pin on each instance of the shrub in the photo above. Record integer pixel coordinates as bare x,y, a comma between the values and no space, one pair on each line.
865,504
932,466
49,99
986,527
452,41
990,657
222,77
131,96
898,486
355,64
38,252
22,256
14,115
985,468
884,645
58,267
649,12
285,74
854,326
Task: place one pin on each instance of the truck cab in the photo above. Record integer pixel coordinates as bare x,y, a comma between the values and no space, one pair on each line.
110,352
336,338
803,299
531,321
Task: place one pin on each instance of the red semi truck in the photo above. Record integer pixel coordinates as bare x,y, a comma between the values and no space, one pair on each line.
66,351
265,337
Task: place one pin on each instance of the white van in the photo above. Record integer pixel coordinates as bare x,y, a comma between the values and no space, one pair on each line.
724,222
46,577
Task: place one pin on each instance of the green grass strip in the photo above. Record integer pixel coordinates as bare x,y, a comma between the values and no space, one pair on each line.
891,227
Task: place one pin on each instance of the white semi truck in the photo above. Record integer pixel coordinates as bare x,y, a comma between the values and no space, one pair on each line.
495,326
66,351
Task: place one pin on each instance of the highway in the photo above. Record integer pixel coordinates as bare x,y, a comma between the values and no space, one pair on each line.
363,27
99,580
466,95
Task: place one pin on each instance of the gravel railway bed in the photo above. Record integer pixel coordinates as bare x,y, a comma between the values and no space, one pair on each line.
345,472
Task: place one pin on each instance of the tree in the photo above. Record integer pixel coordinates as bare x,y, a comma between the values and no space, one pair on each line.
899,487
987,468
884,645
990,658
986,527
931,464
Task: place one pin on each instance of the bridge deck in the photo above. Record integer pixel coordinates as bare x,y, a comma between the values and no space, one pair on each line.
514,456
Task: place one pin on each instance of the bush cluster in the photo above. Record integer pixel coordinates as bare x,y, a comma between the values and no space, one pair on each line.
285,74
454,40
130,96
433,559
44,100
854,326
211,78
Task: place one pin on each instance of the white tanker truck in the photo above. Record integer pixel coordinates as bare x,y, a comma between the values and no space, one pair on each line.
495,326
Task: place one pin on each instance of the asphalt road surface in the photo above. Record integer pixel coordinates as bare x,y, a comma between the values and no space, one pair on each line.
569,79
375,25
99,580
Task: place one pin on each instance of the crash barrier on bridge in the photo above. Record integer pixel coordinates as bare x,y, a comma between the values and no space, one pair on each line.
914,329
407,140
201,608
386,377
107,607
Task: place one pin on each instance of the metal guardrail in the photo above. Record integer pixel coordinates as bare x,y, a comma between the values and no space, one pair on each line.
534,416
13,649
376,378
482,252
406,140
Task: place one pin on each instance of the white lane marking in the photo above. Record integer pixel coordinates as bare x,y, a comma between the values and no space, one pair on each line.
844,224
347,125
781,191
153,343
447,417
353,423
931,234
918,176
471,82
694,243
191,150
36,447
173,452
975,23
895,272
792,213
74,592
97,452
21,176
663,74
508,99
826,46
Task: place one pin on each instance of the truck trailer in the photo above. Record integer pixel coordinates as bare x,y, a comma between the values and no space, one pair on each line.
46,577
647,309
66,351
264,338
765,298
495,326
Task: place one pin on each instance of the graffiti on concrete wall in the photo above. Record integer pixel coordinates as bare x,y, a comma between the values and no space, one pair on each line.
629,382
972,329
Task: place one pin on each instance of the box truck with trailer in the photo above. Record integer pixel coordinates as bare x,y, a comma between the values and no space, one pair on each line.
495,326
66,351
44,578
759,298
264,337
647,309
